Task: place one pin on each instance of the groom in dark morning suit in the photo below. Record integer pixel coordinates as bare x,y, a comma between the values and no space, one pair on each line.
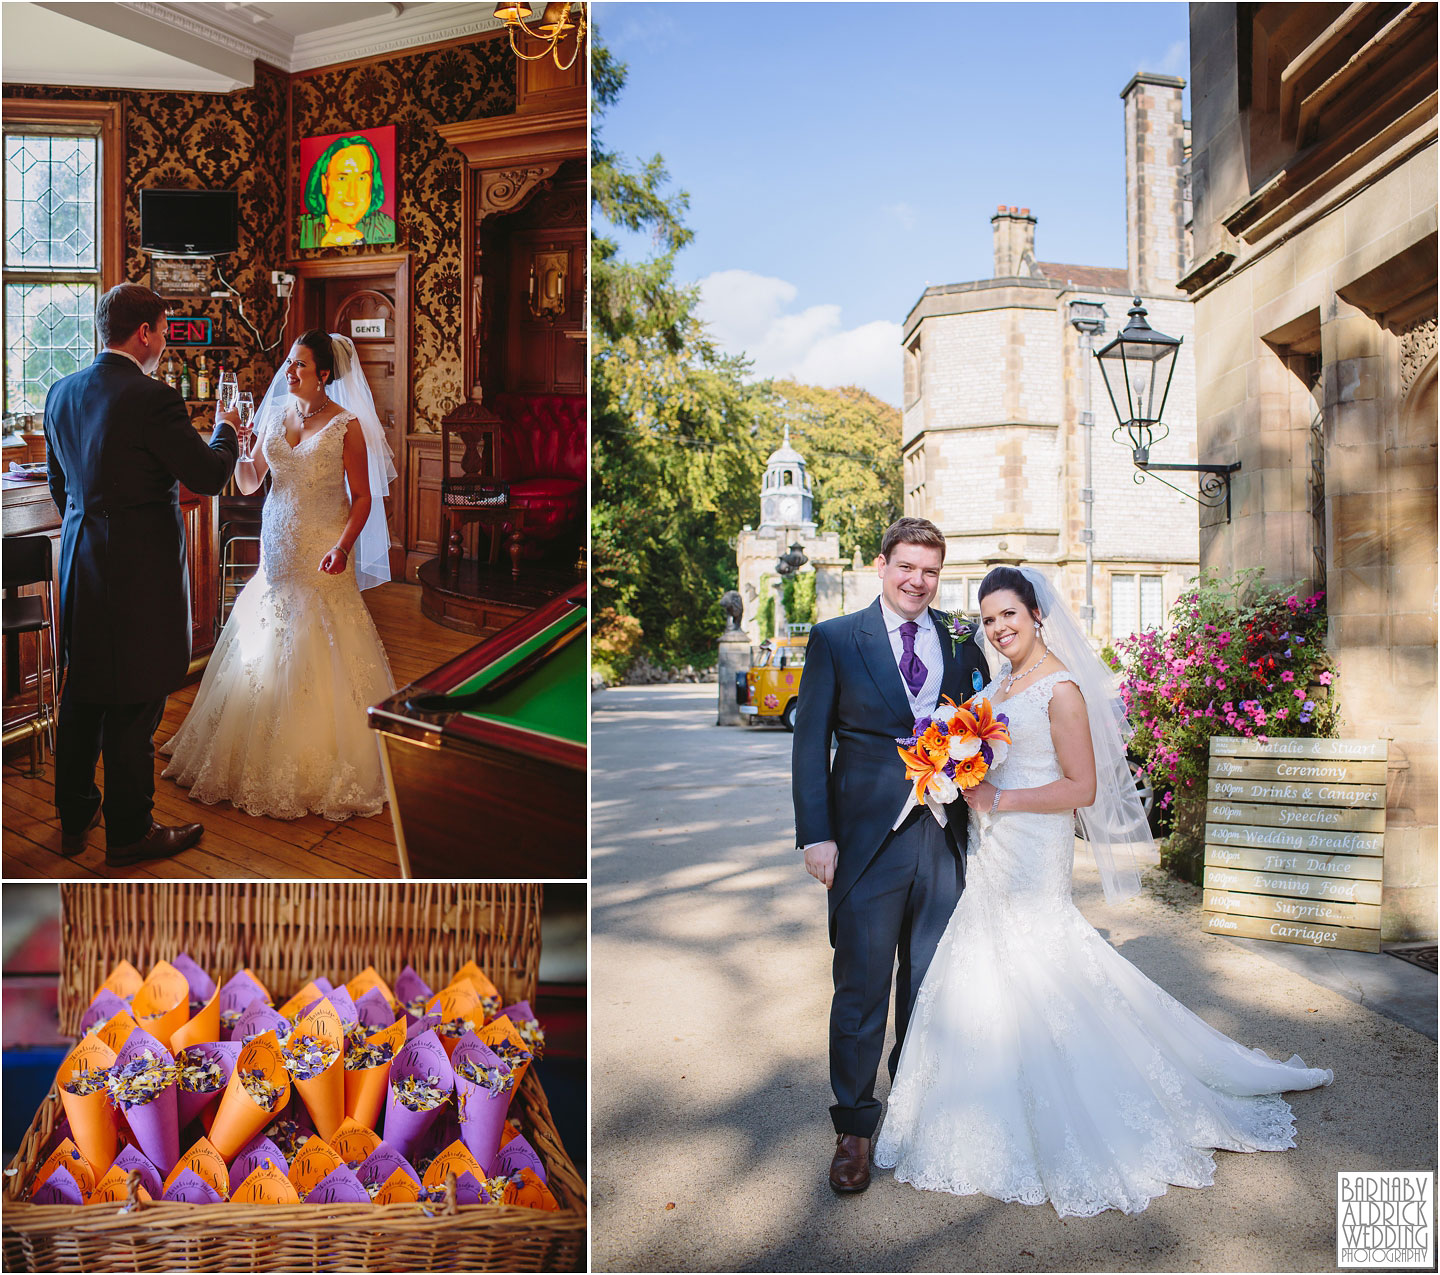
118,440
868,676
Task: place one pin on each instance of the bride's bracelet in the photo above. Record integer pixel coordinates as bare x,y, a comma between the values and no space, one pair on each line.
995,801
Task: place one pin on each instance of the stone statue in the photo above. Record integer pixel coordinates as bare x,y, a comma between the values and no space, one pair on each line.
734,607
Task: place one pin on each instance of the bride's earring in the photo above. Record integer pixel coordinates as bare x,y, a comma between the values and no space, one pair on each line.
1037,628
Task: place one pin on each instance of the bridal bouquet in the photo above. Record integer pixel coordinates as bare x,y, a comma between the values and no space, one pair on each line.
953,749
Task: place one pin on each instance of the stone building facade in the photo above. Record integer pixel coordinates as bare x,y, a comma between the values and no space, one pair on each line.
1314,285
994,430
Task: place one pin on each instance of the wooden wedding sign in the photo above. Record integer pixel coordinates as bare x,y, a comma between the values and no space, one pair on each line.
1295,839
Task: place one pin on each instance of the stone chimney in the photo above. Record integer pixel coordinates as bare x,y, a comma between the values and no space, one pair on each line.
1014,241
1154,182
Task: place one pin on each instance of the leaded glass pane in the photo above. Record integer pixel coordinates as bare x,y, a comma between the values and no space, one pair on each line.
49,333
1152,610
1124,619
50,202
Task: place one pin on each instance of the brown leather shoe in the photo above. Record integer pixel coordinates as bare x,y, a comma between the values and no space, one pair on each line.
74,842
850,1168
160,842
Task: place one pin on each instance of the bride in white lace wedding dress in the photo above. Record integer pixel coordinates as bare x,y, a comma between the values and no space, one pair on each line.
278,727
1039,1064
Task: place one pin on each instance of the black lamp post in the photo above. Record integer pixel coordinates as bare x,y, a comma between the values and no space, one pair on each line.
1140,362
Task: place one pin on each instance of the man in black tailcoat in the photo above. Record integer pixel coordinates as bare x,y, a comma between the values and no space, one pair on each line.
868,676
118,441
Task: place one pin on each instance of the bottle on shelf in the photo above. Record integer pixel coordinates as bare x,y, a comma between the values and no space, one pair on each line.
170,377
184,379
202,378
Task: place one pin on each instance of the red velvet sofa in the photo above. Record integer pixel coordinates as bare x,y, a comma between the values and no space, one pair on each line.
544,455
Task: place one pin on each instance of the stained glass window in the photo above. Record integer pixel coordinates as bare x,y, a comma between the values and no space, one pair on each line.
52,262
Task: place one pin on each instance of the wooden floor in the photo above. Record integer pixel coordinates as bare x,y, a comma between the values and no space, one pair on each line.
235,844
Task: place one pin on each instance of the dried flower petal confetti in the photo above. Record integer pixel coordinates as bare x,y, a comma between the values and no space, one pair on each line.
457,1027
260,1087
287,1135
419,1095
139,1080
83,1082
306,1057
416,1007
228,1019
199,1074
497,1080
365,1054
532,1034
510,1052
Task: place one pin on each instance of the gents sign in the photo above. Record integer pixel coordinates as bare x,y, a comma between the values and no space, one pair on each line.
1294,840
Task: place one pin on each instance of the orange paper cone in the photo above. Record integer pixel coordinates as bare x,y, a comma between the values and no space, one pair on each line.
117,1031
460,1010
501,1031
531,1193
163,1002
124,981
307,995
365,1087
94,1124
456,1159
265,1186
113,1188
66,1155
203,1027
239,1117
205,1162
354,1141
324,1095
509,1133
489,993
364,981
312,1162
398,1188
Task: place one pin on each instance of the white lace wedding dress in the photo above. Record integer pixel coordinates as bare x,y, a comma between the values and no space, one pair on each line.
278,726
1039,1063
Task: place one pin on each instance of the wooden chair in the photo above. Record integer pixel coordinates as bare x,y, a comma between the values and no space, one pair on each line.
470,490
27,561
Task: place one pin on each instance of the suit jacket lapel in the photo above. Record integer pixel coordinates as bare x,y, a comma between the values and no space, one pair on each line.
952,681
879,657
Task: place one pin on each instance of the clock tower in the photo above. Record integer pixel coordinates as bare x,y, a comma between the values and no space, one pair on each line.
786,498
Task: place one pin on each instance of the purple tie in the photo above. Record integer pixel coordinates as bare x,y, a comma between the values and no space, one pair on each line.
911,668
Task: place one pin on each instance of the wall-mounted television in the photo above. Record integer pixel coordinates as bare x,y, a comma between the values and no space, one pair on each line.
190,223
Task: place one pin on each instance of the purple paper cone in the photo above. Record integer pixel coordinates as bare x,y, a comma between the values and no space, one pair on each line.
150,1178
325,986
375,1168
515,1155
191,1106
239,992
481,1113
190,1188
155,1124
518,1012
373,1010
202,986
468,1189
59,1188
339,1186
258,1019
259,1150
102,1009
410,986
58,1134
421,1057
419,1026
344,1006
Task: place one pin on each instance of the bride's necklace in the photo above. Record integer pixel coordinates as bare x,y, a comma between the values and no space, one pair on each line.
319,407
1015,677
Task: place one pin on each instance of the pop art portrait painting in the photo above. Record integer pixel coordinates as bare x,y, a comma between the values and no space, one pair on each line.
349,191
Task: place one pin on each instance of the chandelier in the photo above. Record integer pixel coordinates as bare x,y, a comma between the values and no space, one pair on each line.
556,22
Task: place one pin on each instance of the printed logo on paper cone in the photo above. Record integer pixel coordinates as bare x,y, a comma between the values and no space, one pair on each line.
259,1150
398,1188
67,1156
188,1187
315,1160
240,991
518,1154
60,1187
338,1187
456,1159
239,1117
117,1031
265,1185
354,1142
368,980
124,980
205,1162
531,1193
114,1188
381,1163
133,1158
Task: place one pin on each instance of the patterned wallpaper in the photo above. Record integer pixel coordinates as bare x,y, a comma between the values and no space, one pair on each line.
228,141
415,92
214,141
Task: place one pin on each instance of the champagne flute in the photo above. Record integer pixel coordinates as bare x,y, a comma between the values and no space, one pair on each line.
227,390
246,403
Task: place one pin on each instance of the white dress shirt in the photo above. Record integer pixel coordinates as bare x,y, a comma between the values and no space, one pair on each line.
927,647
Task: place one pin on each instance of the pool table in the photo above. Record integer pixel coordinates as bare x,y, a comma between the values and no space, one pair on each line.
486,757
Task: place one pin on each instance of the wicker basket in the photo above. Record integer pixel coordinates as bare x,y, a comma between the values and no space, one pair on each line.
287,934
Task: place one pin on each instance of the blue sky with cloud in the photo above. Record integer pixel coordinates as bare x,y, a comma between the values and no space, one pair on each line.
841,157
